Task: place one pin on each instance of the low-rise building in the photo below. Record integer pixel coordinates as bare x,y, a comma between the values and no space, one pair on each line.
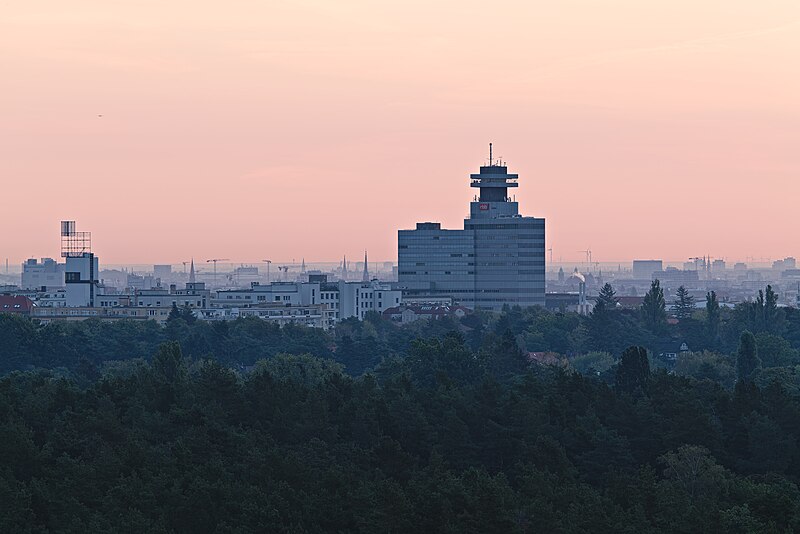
16,304
81,313
313,316
409,313
344,299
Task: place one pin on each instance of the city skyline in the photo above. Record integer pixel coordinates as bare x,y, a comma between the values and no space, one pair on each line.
49,249
303,129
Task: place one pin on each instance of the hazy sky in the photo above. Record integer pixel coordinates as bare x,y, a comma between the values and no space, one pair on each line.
288,129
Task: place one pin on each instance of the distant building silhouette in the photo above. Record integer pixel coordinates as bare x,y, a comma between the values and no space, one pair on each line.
498,258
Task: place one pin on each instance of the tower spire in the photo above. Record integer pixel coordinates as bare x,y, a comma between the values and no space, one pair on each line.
191,272
344,267
365,275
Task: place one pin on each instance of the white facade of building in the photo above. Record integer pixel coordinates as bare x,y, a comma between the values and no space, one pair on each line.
314,316
194,295
51,299
44,273
344,299
355,299
80,278
286,293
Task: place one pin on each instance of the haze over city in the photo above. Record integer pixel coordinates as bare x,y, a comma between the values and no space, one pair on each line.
312,129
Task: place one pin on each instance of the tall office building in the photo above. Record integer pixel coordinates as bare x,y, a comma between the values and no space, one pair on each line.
496,260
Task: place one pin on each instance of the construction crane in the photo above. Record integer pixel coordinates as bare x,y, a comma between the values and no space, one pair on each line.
285,269
588,253
185,263
698,261
550,250
214,261
268,262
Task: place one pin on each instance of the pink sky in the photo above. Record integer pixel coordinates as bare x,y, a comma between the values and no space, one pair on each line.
288,129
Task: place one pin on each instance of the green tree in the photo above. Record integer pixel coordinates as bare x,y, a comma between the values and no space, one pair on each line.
599,325
758,312
607,297
174,313
694,471
683,305
169,373
747,361
187,314
707,366
771,315
653,308
592,362
775,351
712,317
633,371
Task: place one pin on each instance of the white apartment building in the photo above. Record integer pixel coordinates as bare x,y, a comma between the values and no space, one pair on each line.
355,299
314,315
344,299
194,295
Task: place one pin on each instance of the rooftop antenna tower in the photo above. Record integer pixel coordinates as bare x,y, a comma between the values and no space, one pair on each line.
74,244
490,155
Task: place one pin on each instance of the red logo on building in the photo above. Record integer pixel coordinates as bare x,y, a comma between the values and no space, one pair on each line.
484,207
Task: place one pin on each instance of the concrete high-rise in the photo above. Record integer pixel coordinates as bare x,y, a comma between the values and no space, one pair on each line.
497,259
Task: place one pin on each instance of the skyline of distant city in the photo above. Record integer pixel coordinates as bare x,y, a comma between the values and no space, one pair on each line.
625,264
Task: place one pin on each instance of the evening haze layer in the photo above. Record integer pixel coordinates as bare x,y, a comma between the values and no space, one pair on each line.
248,130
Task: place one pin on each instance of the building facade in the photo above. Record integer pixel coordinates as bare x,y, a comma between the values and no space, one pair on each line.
46,273
498,258
81,278
644,269
344,299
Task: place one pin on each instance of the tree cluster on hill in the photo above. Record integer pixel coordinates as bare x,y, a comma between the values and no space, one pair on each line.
442,439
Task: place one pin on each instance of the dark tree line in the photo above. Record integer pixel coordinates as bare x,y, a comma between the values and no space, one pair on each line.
441,439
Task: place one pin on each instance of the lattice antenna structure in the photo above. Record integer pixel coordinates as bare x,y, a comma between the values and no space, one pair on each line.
74,244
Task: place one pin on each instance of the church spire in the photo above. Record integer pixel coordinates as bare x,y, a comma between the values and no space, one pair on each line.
344,267
365,275
191,273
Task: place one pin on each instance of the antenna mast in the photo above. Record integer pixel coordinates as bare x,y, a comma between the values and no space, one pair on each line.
490,154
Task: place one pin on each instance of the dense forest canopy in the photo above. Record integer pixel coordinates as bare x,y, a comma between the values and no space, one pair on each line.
441,426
